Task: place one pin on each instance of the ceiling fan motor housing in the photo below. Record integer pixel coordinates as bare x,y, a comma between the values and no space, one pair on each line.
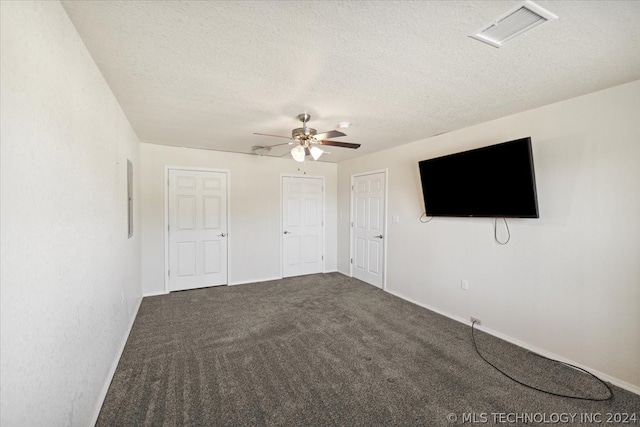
303,133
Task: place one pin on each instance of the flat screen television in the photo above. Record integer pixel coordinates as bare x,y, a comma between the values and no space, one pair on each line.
495,181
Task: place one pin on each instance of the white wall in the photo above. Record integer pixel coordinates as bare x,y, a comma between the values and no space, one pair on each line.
568,282
254,210
70,277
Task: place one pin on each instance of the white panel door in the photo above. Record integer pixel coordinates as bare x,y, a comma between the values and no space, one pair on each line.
197,229
368,197
302,226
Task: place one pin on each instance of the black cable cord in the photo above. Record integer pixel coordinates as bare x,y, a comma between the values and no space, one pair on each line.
424,215
495,231
475,346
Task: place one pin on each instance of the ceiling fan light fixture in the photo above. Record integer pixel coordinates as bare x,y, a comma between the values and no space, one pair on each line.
316,152
298,153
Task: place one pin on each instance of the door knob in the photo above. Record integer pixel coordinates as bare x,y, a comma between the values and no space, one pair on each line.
379,236
287,232
221,235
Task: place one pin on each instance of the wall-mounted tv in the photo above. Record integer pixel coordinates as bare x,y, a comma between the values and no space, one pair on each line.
495,181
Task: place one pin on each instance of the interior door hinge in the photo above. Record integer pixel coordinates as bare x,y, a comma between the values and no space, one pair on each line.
351,260
169,273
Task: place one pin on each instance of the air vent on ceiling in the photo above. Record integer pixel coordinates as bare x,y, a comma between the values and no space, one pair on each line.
516,21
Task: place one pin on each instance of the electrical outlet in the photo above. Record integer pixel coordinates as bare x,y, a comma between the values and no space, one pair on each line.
475,320
464,285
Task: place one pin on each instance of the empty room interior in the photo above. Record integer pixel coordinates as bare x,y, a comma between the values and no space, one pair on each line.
320,213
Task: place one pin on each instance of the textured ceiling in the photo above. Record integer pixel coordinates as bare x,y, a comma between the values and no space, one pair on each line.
210,74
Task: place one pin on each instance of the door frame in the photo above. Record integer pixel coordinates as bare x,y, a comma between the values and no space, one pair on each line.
324,230
385,229
166,216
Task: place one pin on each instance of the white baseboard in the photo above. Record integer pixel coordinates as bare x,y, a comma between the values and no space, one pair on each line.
271,279
155,293
114,365
245,282
613,380
254,281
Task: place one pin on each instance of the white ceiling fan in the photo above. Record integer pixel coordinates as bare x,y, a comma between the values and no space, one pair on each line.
306,141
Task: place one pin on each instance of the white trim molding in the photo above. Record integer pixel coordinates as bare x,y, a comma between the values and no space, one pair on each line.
114,366
165,185
324,219
385,228
613,380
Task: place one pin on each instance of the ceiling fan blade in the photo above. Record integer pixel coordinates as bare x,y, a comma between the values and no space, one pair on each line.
278,145
329,134
339,144
277,136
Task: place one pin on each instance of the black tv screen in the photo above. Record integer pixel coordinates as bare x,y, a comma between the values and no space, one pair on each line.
494,181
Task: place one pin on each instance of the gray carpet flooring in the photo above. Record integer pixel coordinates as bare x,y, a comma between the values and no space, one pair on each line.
329,350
